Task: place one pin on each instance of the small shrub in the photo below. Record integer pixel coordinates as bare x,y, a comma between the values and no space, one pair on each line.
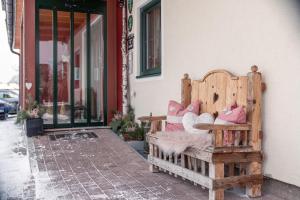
126,125
33,110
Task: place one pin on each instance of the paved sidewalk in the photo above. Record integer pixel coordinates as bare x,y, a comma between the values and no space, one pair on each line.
106,168
103,168
85,168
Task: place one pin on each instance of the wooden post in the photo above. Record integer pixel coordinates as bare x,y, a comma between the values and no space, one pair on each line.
254,105
165,159
203,167
231,169
189,162
183,163
155,126
254,190
218,138
160,155
186,90
195,164
216,171
245,138
171,161
152,168
175,162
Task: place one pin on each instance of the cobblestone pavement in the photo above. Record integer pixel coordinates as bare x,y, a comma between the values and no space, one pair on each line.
92,168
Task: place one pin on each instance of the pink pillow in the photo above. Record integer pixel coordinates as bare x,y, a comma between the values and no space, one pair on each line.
176,112
237,115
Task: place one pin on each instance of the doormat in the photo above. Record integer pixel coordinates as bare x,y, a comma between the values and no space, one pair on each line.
71,136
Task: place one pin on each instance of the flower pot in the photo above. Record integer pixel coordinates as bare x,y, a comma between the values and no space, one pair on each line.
131,136
34,127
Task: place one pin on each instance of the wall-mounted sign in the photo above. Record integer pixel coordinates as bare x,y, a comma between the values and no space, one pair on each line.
130,23
28,85
130,41
130,5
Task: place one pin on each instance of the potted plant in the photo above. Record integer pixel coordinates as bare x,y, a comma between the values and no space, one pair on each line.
132,131
117,122
126,127
31,117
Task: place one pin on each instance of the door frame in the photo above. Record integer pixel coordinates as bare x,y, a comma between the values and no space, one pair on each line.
84,6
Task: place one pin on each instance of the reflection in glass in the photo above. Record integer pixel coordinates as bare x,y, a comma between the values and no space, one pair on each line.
46,64
80,67
97,67
63,67
154,38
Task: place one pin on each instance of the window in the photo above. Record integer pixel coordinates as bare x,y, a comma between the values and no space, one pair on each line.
151,39
5,95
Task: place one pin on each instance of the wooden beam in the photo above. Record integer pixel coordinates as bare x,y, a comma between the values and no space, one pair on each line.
233,127
237,157
152,118
230,149
230,182
183,172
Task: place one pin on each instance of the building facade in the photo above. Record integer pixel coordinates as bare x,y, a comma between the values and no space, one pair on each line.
70,58
201,35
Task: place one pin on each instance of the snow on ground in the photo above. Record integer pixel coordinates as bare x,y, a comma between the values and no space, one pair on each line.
14,162
20,177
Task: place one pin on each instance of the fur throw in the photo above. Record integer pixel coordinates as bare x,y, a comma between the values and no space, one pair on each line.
179,141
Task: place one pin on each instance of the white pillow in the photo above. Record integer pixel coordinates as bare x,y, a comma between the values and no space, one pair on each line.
190,119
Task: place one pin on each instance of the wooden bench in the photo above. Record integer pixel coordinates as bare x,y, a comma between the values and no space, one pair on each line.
218,167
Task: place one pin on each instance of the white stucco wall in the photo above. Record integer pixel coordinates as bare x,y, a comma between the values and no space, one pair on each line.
201,35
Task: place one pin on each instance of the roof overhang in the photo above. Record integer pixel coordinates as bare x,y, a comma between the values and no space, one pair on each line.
13,9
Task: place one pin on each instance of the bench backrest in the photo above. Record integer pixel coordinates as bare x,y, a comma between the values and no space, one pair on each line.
219,89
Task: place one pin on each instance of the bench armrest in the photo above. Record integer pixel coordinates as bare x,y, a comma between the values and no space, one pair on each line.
229,127
156,122
152,118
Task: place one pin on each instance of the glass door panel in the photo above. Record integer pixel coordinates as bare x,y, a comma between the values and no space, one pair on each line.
63,67
80,68
71,63
46,63
97,67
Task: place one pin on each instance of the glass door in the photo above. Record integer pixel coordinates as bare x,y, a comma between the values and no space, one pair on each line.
97,67
80,69
63,68
71,60
45,65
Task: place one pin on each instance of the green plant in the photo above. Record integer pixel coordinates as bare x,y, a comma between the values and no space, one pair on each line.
125,124
32,110
117,122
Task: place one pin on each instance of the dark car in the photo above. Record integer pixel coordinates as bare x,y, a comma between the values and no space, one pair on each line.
7,106
3,110
11,99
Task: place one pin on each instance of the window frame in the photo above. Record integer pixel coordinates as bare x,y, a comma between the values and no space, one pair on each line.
144,72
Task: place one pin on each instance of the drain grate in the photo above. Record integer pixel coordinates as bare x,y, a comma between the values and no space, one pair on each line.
70,136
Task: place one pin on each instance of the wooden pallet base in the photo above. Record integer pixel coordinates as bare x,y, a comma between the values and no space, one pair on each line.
205,181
